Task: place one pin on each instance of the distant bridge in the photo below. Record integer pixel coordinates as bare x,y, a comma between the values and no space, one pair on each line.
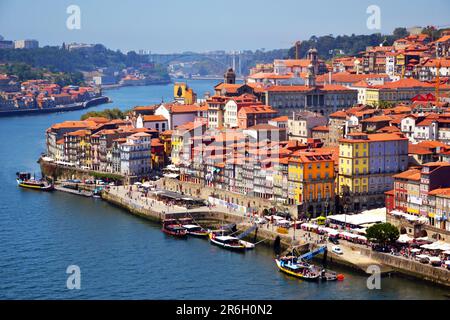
225,60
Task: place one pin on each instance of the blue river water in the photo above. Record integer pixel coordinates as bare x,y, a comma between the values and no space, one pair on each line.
124,257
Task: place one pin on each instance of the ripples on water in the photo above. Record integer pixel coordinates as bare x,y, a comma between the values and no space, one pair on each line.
121,256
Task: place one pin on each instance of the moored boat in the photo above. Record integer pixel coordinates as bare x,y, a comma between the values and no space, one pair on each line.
290,266
229,242
195,230
171,227
25,180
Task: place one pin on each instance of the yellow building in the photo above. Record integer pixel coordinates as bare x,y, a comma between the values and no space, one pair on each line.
367,164
311,181
166,139
77,145
353,164
182,93
372,97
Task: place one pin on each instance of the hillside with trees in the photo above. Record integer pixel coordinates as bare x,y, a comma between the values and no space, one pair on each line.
71,62
329,45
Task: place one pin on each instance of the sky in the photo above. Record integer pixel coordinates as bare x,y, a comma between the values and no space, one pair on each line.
167,26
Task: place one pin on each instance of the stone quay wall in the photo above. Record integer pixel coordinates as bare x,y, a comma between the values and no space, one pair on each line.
410,267
201,191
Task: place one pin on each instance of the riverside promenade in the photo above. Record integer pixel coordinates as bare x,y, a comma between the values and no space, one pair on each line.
148,207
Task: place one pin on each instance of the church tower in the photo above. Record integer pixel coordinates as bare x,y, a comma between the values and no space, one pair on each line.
312,56
310,77
229,76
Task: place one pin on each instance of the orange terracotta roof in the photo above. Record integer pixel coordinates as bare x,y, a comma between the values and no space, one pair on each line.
386,137
151,118
437,164
257,109
270,75
156,143
145,108
186,108
404,83
79,133
377,119
406,174
167,133
346,77
98,119
321,128
293,62
440,192
73,124
388,129
280,119
228,87
338,114
444,39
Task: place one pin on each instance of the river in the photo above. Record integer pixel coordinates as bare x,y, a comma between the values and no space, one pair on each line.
124,257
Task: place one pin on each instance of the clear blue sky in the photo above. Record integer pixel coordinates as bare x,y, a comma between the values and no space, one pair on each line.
201,25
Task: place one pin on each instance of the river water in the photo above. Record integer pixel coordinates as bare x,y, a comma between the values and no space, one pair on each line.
125,257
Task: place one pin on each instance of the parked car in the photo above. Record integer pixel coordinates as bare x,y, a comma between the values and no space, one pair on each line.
260,220
337,250
333,240
285,215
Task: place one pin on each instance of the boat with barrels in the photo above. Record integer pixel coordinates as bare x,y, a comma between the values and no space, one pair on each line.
25,180
193,228
295,267
229,242
298,269
173,228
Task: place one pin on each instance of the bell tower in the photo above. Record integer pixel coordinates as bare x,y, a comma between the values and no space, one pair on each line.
229,76
312,56
311,76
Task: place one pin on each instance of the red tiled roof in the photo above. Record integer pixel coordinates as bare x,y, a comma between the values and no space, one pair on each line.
151,118
440,192
321,128
407,174
377,119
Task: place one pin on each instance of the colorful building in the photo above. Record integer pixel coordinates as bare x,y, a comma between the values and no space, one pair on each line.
311,181
183,94
367,163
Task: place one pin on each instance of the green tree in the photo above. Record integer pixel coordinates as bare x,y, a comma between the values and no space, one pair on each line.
110,114
386,104
382,233
400,33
